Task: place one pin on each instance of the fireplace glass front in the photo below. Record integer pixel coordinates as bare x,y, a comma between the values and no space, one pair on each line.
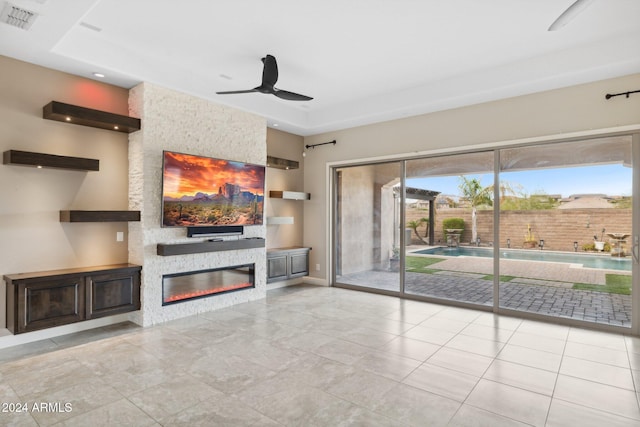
181,287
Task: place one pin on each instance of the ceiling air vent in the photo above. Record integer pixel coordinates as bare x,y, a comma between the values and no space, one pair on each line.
17,16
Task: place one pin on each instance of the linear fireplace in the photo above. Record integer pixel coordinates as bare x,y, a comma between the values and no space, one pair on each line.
182,287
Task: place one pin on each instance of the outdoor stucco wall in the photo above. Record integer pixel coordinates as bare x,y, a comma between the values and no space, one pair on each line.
357,211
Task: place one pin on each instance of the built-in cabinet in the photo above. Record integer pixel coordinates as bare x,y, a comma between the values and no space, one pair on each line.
46,299
53,298
287,263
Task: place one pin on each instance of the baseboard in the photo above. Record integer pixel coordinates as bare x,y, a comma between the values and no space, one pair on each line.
11,340
315,281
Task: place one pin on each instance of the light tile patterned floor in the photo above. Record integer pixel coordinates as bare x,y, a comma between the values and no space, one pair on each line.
317,356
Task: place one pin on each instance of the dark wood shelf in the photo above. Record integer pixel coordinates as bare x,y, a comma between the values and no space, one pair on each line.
99,216
68,113
278,163
202,247
26,158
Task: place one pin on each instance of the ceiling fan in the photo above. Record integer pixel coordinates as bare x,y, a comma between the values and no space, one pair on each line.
269,79
568,15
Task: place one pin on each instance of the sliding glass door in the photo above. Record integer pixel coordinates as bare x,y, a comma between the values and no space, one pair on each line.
448,216
565,230
549,230
367,226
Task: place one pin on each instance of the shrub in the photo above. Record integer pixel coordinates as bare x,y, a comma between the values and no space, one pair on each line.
591,247
452,223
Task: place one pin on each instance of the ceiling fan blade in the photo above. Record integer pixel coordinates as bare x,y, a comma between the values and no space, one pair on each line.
270,71
291,96
231,92
269,79
569,14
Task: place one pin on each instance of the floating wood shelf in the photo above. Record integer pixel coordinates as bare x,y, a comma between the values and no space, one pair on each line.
99,216
279,220
26,158
289,195
68,113
201,247
278,163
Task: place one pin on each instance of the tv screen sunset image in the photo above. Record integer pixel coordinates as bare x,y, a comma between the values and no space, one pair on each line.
206,191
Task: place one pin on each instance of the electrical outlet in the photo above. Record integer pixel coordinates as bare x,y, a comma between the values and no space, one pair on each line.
119,236
317,267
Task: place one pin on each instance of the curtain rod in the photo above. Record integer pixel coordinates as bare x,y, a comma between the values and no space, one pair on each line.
609,95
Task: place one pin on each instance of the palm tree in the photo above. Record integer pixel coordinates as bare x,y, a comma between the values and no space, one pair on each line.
477,195
414,226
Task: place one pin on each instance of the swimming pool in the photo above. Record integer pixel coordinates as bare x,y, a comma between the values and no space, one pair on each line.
589,261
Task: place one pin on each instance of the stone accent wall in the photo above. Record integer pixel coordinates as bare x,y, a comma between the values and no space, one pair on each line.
558,227
178,122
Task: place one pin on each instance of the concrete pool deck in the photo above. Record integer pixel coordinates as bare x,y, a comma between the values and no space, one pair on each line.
537,287
541,270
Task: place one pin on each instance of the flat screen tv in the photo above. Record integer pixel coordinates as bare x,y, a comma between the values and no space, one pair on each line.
204,191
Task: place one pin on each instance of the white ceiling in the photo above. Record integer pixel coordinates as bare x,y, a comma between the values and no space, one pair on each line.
363,61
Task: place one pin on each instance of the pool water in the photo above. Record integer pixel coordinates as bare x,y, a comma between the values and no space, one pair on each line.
589,261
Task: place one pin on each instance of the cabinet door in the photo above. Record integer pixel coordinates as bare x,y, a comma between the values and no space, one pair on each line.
276,268
49,303
112,293
299,264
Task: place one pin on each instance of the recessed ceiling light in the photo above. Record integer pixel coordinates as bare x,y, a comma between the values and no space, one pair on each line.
275,125
100,75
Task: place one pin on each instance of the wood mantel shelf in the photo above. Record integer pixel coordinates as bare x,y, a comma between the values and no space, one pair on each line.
27,158
209,246
99,216
68,113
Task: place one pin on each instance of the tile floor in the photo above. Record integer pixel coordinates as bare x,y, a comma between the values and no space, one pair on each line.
317,356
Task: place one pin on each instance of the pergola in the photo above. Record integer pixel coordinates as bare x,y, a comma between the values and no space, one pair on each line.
428,195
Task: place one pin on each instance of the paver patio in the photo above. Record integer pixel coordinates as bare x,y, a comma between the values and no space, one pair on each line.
538,287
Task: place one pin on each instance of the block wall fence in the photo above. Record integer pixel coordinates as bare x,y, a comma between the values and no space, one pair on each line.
558,227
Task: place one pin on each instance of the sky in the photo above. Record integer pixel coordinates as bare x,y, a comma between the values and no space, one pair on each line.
186,175
612,180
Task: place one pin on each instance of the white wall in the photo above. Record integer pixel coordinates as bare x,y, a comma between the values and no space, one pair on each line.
31,235
178,122
285,146
562,111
